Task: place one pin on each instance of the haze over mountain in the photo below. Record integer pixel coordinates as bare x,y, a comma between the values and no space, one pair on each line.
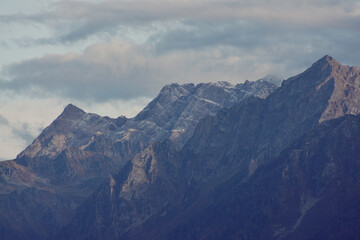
211,161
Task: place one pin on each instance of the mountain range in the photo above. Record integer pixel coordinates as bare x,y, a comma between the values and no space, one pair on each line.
206,161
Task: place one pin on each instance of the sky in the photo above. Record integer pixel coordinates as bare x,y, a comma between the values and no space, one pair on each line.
112,57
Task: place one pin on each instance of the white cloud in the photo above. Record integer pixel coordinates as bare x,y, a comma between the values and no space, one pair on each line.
11,144
121,70
75,20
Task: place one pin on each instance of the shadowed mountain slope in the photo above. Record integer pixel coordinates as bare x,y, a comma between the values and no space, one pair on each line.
45,184
162,189
311,191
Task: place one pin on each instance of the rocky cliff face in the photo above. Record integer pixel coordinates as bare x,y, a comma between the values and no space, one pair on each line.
66,147
212,161
175,112
60,152
346,94
310,191
223,154
54,175
126,200
256,130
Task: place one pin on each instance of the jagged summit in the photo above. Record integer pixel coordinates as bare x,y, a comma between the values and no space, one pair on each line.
326,60
185,167
73,127
342,82
72,112
320,72
329,67
175,112
272,79
72,107
204,186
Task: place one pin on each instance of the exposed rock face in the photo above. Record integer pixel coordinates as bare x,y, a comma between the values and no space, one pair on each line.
76,137
259,129
175,112
212,161
346,95
225,153
273,79
311,191
59,153
73,127
78,151
69,147
142,189
256,130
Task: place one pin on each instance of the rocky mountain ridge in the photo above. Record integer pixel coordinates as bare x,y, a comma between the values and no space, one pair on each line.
72,156
310,191
226,148
211,161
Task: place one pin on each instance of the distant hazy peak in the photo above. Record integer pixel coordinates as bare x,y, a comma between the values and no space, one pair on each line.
174,91
272,79
188,87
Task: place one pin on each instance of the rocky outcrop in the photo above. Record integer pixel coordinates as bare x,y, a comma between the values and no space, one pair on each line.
346,94
211,161
175,112
256,130
139,191
67,146
310,191
226,152
54,175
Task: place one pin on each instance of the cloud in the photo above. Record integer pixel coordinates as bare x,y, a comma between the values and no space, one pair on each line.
252,36
104,71
24,132
11,144
3,121
186,41
13,137
76,20
315,27
200,53
121,70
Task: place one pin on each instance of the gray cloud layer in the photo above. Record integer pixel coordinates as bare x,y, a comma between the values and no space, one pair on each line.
3,121
75,20
102,72
185,41
22,132
121,70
